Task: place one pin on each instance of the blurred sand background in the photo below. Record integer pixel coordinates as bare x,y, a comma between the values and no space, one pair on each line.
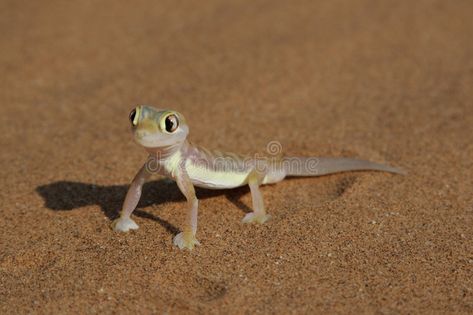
389,81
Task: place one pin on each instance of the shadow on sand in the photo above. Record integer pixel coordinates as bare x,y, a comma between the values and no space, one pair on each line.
66,195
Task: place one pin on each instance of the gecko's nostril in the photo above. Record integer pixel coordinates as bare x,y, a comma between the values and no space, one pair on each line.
132,117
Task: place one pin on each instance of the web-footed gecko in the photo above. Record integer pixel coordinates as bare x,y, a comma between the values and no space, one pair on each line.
163,133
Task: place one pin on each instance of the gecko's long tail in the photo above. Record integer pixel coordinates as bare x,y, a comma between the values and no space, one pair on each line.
317,166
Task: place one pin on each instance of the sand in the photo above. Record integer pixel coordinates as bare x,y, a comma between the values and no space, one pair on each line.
388,81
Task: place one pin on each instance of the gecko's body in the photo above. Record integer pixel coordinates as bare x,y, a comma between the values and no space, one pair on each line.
164,135
205,168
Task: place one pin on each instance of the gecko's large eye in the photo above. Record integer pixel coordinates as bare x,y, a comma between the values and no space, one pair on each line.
132,117
171,123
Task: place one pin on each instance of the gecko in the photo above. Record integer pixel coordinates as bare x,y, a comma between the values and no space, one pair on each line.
164,135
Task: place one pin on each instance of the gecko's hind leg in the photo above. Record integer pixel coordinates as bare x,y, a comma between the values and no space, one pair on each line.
259,213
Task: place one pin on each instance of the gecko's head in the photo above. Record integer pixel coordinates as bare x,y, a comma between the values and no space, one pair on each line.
156,128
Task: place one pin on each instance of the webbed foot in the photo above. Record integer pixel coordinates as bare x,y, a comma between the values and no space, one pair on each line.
124,225
185,240
254,218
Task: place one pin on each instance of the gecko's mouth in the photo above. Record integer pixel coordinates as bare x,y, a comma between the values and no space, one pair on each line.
150,139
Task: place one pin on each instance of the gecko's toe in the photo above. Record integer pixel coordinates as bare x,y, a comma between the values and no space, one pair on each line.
185,240
124,225
254,218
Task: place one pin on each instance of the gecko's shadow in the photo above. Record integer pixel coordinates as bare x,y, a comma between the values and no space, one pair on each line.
66,195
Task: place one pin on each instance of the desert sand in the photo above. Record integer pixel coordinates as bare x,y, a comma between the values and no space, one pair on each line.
388,81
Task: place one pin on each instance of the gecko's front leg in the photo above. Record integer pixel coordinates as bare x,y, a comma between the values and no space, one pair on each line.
187,239
124,223
259,213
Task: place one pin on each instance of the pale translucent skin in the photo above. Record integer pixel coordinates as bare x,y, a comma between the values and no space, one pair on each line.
172,155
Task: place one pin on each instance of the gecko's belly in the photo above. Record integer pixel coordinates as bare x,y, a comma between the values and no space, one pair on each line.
214,179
